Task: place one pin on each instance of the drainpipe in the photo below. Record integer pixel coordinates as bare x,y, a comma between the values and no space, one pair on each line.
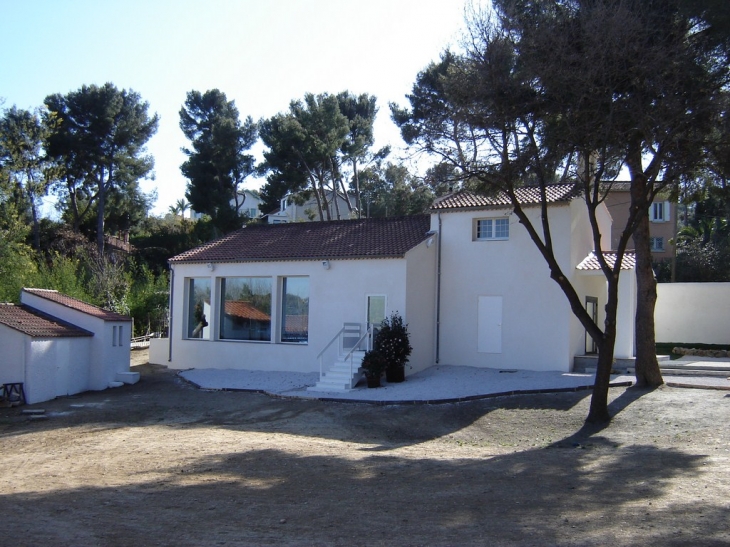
169,320
438,291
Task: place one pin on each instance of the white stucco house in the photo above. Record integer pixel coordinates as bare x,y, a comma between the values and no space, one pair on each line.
58,345
249,205
466,278
291,211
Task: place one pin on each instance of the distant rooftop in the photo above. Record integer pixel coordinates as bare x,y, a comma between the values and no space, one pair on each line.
78,305
591,261
345,239
526,195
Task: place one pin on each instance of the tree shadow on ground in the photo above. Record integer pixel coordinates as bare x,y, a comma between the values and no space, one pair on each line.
534,497
162,398
619,404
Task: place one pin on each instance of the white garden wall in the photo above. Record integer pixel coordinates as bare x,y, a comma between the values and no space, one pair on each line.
693,313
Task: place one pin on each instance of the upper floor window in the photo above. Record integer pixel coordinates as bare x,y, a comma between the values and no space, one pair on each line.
492,229
659,211
657,244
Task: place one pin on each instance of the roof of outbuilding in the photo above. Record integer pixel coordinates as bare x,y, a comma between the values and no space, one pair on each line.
526,195
37,324
79,305
347,239
591,261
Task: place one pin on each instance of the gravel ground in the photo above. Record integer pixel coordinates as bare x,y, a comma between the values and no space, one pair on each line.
164,463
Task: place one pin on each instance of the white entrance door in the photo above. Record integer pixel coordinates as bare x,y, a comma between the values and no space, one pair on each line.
376,309
489,324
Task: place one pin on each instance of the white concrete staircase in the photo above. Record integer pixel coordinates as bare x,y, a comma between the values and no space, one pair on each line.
338,377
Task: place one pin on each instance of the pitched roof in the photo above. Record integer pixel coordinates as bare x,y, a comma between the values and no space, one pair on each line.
79,305
37,324
364,238
591,261
526,195
245,310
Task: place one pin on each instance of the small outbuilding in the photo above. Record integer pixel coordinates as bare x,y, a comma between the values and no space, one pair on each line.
56,345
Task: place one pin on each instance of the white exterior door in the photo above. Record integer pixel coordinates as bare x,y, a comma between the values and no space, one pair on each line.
376,309
489,324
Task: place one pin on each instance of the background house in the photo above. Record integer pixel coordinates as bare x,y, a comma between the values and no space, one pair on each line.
57,345
662,216
292,211
251,206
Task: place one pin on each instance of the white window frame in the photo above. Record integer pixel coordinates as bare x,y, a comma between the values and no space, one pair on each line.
281,298
657,244
186,322
659,211
493,228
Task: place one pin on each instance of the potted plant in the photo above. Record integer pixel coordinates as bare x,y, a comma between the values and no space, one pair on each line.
373,364
392,342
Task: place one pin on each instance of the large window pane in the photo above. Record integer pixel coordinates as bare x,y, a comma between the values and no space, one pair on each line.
295,310
198,310
245,308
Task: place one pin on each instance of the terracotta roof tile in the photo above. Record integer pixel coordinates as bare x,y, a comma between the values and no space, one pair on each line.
245,310
365,238
527,195
79,305
591,261
38,324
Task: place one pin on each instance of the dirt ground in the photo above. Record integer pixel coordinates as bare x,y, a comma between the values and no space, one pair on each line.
163,463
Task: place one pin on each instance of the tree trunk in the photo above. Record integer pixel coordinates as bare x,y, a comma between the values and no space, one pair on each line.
598,412
356,176
36,225
647,366
100,216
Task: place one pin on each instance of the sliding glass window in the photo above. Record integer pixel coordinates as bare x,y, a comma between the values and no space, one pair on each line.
245,308
295,310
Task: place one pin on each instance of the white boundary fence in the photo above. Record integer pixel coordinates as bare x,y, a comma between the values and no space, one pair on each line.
141,342
693,312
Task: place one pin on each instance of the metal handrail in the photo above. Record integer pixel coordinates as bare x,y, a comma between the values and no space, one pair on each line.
356,347
319,357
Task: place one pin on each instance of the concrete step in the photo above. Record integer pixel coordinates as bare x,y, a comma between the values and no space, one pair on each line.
339,378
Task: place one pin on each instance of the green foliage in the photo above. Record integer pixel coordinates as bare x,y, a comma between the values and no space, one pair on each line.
17,266
390,190
28,170
702,262
148,301
65,274
309,147
217,163
374,363
391,341
158,239
99,143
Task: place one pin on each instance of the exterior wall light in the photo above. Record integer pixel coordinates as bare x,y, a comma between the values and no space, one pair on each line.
326,264
210,266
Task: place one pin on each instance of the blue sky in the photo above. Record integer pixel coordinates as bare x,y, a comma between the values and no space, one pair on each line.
262,54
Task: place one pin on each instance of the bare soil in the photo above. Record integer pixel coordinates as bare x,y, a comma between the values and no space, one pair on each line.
163,463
